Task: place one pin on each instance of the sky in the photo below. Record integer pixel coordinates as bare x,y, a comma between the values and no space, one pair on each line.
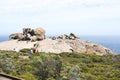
82,17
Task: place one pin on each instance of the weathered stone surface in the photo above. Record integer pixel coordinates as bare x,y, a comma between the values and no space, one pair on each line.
80,46
26,31
29,34
53,38
16,36
71,36
53,46
40,32
63,43
83,46
58,46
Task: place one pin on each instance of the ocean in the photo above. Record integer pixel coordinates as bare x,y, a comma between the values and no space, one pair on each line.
4,38
112,42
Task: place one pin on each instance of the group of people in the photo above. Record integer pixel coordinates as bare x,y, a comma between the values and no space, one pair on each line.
33,51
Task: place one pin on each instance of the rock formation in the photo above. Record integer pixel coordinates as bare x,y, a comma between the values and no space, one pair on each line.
71,36
58,46
16,36
29,34
80,46
40,32
62,43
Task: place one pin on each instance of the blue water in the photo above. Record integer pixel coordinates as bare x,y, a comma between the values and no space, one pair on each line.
4,38
112,42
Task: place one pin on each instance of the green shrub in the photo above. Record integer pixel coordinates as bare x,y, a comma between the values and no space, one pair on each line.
26,50
47,66
28,76
64,66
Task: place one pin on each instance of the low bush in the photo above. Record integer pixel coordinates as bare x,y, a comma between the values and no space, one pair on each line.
64,66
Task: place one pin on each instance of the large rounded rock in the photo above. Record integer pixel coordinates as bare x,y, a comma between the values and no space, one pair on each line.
40,32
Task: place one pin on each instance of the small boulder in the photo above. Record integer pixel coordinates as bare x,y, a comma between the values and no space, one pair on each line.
72,36
16,36
54,38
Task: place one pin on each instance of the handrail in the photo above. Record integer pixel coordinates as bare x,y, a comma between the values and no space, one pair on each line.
10,77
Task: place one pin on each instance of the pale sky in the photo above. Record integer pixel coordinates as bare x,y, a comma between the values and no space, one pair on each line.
83,17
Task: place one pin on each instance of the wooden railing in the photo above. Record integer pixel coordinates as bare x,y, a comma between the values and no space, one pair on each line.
8,77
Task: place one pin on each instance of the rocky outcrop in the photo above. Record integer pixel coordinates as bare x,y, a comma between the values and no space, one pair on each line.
80,46
53,46
71,36
29,34
58,46
63,43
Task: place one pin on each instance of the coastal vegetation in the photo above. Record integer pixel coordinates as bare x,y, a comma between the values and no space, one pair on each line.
64,66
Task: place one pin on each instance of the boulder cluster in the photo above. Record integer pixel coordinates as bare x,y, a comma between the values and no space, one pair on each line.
71,36
63,43
29,34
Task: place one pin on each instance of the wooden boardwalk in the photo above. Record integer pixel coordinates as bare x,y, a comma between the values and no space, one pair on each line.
8,77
